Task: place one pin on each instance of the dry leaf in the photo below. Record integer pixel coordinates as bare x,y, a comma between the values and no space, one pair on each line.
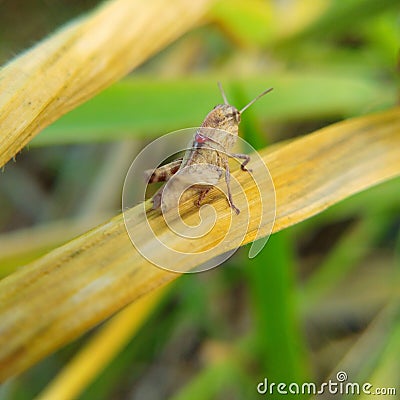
83,58
52,301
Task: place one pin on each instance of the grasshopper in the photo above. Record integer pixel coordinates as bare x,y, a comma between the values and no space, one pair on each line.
209,153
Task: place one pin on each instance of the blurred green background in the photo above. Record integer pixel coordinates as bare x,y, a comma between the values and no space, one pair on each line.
323,296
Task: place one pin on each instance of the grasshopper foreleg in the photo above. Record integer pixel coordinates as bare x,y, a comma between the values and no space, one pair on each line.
244,157
228,180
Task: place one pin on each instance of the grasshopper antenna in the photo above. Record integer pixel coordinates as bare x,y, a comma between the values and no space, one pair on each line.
222,93
254,100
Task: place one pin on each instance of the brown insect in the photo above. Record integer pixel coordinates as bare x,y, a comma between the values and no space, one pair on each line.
207,158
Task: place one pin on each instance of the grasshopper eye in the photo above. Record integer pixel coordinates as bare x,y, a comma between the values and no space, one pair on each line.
234,115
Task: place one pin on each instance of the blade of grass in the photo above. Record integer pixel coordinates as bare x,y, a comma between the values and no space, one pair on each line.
103,347
127,108
215,381
360,203
226,371
58,297
81,59
340,15
25,245
363,360
386,373
345,256
261,23
278,334
249,23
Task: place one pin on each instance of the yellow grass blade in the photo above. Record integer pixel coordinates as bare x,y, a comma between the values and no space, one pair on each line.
83,58
51,301
100,350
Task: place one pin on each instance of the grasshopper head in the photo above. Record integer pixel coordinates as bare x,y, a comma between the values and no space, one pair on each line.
227,117
224,117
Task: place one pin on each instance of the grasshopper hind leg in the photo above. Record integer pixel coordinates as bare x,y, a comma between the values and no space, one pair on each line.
202,194
161,174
